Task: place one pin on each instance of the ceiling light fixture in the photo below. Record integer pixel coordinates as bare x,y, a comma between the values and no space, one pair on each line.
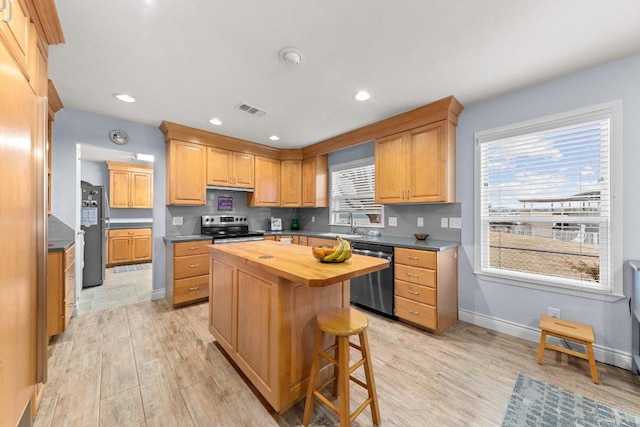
124,97
363,95
274,137
215,121
291,55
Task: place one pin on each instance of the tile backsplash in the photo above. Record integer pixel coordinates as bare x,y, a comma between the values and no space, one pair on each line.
407,217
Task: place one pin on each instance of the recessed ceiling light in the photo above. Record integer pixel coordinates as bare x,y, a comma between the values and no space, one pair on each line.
291,55
124,97
274,137
363,95
215,121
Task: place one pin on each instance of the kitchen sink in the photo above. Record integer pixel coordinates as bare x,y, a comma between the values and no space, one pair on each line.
343,235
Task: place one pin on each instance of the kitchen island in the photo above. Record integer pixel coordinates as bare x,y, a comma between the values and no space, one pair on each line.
263,300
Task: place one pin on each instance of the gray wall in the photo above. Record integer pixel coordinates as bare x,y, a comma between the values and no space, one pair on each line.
73,127
617,80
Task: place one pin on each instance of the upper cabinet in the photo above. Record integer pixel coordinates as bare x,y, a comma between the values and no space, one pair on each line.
267,183
130,185
186,173
229,169
427,154
290,183
19,35
315,177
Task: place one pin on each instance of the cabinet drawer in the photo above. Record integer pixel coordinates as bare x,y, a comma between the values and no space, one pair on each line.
130,232
190,266
69,302
187,290
416,293
302,240
415,312
416,258
190,248
69,256
420,276
70,278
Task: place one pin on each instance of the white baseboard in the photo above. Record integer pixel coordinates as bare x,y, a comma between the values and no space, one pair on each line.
158,294
606,355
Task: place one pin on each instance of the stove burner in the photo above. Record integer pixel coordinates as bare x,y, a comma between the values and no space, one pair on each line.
225,229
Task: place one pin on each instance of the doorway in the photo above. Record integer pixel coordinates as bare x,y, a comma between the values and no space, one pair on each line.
104,281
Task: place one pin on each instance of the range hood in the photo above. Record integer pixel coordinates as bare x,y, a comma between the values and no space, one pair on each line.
216,187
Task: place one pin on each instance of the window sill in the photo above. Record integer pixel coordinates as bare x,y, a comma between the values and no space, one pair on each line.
557,288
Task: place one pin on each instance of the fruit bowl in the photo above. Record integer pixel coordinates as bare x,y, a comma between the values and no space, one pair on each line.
421,236
323,254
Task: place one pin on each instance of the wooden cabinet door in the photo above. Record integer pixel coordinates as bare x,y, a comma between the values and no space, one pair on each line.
141,185
119,250
15,33
222,286
119,189
55,293
243,170
315,182
141,248
426,159
186,170
390,169
267,183
290,183
219,166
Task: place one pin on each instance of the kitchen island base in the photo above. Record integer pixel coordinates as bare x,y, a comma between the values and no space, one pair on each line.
266,325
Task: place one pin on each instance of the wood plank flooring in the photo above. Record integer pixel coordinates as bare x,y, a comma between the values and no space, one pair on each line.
147,364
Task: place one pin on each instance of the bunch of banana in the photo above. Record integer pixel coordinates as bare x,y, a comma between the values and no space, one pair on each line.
341,254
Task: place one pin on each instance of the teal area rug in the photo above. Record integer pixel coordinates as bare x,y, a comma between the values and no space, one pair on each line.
132,267
540,404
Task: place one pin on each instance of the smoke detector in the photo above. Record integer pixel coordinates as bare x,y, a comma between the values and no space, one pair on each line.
291,55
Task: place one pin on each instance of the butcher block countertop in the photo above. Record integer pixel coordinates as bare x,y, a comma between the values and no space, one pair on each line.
296,263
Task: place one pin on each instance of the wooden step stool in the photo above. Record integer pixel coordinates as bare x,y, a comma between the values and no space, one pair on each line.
568,330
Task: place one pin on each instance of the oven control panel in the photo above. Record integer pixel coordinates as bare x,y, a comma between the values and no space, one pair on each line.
209,220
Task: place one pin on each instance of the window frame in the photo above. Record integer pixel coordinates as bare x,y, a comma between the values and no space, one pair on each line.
367,161
611,109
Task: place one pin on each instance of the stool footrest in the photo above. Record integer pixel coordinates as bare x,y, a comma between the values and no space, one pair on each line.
329,358
356,365
360,409
567,351
326,401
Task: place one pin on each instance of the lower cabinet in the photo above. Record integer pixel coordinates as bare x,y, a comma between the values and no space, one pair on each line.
426,288
129,246
61,289
188,267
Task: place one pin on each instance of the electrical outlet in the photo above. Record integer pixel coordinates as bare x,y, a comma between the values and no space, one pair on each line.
455,223
444,222
420,222
177,220
393,221
313,218
553,312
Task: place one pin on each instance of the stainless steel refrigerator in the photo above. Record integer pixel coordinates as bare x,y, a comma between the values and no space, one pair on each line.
94,221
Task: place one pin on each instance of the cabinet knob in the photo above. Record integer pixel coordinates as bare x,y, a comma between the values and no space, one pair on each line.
416,313
193,248
194,288
413,275
413,292
413,258
194,265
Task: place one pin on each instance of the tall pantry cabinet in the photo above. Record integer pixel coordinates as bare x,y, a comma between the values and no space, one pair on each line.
27,28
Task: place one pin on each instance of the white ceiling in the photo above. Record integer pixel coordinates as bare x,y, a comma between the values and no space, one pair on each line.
189,61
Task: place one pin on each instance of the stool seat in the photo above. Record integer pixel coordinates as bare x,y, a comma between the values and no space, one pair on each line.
572,331
342,322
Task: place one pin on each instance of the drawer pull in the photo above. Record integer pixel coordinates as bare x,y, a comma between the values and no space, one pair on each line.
413,292
130,232
194,265
413,275
194,248
194,288
413,258
417,313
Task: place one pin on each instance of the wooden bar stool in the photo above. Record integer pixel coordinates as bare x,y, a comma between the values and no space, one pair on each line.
573,331
342,323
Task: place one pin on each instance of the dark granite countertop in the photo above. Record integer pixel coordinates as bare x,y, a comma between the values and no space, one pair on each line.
402,242
59,245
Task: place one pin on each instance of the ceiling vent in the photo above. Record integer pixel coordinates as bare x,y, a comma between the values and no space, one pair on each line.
254,111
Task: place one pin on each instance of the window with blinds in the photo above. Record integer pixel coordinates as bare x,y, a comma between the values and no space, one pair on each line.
543,201
353,188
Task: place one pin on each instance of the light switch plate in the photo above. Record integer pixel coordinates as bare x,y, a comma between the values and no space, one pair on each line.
455,223
393,221
177,220
444,222
420,222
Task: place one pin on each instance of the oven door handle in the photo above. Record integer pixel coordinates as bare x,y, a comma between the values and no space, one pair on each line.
375,254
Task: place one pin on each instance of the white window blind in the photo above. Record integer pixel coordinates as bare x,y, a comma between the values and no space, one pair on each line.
544,202
353,194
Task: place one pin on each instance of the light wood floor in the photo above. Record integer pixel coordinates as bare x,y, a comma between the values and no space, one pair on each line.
146,364
117,289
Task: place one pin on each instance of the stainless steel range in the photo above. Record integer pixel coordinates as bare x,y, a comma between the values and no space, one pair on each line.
228,229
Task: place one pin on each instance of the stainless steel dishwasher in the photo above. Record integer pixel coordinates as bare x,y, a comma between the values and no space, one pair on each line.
374,291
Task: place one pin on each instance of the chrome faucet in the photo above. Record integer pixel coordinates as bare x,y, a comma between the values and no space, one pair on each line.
352,223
